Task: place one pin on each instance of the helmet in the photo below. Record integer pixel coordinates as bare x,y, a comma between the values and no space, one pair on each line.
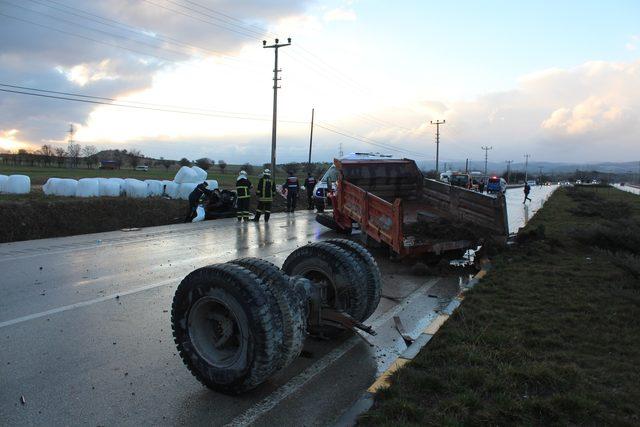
266,172
243,173
205,183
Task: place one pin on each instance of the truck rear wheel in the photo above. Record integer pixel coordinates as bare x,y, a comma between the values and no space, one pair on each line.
338,270
291,307
225,329
372,272
329,222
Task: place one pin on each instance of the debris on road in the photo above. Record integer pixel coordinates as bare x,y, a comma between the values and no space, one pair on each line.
23,400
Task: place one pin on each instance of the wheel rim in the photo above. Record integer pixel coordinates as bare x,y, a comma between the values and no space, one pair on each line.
216,333
332,296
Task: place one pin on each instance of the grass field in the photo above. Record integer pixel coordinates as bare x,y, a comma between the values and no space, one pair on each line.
39,175
549,337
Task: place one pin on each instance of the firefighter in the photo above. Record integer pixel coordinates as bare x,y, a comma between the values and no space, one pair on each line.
310,184
243,187
196,197
264,191
292,186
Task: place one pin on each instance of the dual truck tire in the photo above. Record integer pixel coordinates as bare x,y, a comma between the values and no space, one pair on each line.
236,324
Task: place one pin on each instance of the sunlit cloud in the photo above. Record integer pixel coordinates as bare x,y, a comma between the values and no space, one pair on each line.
340,14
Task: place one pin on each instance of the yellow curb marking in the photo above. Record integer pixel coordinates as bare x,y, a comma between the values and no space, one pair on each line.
384,380
435,325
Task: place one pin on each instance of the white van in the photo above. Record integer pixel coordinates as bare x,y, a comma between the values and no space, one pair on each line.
142,168
331,176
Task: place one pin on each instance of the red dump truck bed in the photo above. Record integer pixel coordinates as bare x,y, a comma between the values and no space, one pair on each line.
387,197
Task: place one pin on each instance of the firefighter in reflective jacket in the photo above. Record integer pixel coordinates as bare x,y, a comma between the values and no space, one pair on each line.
310,184
243,185
264,191
292,187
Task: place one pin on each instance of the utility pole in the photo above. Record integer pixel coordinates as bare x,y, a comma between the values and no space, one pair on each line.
486,160
311,138
526,164
275,48
508,162
466,166
437,123
540,174
340,151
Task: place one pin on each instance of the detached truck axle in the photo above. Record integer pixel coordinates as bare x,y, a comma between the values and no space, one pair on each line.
238,323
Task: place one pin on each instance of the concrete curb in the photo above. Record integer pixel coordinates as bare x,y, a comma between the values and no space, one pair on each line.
365,402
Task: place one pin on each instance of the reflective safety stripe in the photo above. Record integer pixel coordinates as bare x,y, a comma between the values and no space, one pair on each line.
243,192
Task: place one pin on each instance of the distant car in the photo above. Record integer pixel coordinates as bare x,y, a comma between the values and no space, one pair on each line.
496,185
142,168
578,181
531,183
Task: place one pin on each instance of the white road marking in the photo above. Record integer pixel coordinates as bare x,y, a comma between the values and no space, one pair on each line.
86,303
296,383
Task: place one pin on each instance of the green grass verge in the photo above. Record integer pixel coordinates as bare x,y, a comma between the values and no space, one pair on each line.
550,336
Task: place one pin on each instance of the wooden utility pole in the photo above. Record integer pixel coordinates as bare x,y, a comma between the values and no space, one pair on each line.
311,138
526,165
437,123
275,48
508,162
486,160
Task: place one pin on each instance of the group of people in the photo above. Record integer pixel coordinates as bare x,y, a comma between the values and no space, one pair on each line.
264,191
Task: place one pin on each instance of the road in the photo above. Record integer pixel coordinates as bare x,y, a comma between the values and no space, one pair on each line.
85,333
628,188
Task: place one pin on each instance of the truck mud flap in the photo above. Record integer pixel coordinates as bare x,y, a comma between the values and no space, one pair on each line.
329,222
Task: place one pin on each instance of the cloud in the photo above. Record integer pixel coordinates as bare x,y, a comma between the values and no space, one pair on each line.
111,49
340,14
632,44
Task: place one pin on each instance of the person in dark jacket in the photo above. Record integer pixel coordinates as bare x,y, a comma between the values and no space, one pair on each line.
196,197
292,186
265,190
243,187
527,190
310,184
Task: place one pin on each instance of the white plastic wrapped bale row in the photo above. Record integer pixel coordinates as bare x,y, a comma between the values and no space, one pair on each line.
3,182
171,189
120,182
108,187
154,187
60,187
201,174
186,189
135,188
213,184
185,174
17,184
88,187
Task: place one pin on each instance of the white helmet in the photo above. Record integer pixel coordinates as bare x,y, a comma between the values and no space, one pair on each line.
266,172
243,173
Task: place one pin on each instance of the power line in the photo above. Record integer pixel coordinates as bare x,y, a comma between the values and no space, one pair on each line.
486,160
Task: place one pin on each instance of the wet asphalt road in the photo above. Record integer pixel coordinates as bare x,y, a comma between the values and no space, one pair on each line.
85,334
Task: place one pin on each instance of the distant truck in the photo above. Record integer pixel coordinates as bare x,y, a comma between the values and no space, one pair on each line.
389,199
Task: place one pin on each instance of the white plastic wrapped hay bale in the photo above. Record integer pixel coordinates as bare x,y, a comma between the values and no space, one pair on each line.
213,184
186,189
50,186
66,187
135,188
108,187
120,182
3,182
88,187
17,184
185,174
154,187
171,189
201,174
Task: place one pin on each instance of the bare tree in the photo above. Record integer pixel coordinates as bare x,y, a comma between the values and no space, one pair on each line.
248,168
90,155
222,165
61,156
134,157
184,162
73,150
166,163
47,154
204,163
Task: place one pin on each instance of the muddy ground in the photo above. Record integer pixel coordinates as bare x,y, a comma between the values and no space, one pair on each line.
35,216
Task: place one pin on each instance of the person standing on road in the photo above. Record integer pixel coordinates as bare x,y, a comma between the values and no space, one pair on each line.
527,190
195,198
265,191
243,187
292,186
310,184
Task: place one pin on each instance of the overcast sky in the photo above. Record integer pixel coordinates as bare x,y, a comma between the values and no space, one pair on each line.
559,80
